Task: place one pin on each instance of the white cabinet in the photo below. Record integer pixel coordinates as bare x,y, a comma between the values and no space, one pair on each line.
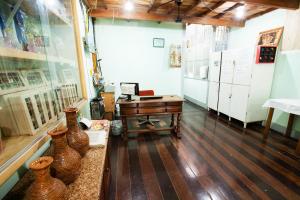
213,95
243,85
238,102
214,66
227,67
243,66
224,98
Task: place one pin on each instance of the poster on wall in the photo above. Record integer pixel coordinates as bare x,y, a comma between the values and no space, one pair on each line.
291,31
175,55
270,37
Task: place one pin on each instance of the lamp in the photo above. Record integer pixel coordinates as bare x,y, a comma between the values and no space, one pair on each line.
128,6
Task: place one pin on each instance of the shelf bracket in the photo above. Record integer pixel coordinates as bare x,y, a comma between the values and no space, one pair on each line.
13,12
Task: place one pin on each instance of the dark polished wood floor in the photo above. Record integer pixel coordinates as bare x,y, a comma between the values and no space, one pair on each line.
214,159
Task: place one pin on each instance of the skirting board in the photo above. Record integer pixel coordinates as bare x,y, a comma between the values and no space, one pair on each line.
203,105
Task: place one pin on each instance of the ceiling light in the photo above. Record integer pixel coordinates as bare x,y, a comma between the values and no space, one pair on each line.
128,6
240,12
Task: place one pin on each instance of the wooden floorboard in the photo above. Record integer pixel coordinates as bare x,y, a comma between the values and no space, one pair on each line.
215,159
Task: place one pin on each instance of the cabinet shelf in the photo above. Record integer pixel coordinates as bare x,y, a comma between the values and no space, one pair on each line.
19,54
26,55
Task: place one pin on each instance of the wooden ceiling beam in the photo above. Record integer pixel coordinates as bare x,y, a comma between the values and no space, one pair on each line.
191,9
171,10
119,14
211,9
228,10
155,4
260,13
152,5
213,21
287,4
102,2
102,13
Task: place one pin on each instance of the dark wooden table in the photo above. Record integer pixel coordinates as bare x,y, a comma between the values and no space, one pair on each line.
168,105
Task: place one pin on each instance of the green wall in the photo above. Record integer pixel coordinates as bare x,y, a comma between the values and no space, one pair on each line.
286,84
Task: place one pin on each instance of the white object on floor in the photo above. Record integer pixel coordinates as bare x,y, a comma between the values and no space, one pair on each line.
97,138
286,105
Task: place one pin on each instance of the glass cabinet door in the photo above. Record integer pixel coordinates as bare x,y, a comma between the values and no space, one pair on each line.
39,75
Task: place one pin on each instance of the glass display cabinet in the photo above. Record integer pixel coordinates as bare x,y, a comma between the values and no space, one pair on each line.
39,74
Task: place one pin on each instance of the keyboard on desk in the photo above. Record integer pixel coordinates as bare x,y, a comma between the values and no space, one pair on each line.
142,98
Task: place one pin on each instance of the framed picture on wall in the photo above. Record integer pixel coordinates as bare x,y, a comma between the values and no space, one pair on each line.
158,42
270,37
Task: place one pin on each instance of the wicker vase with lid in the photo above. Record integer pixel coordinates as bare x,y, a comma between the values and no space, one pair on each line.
45,186
67,161
77,139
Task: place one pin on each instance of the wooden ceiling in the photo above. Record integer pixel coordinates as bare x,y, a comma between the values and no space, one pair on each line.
213,12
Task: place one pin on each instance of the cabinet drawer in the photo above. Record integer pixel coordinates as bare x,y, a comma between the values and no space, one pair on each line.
130,105
174,109
152,110
177,103
158,104
131,111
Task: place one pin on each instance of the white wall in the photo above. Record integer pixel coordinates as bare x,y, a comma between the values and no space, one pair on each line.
128,55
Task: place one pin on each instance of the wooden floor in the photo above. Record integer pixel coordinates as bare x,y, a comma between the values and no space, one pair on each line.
214,159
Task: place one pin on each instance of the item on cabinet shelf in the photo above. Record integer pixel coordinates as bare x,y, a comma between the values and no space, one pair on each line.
20,29
67,95
33,31
26,112
34,77
175,55
270,37
266,54
67,161
97,108
2,28
10,80
77,138
45,186
9,37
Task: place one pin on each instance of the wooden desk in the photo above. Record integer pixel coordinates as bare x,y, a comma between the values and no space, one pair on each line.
168,105
291,106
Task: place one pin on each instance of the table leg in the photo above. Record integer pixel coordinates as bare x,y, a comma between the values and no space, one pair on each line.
268,124
290,125
125,128
298,147
178,133
172,121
